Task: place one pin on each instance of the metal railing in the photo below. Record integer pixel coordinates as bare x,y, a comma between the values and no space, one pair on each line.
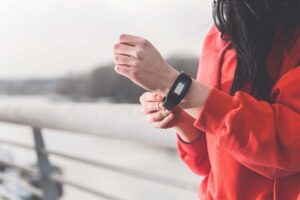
88,119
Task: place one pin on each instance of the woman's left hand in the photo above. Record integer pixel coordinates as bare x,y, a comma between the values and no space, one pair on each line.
137,59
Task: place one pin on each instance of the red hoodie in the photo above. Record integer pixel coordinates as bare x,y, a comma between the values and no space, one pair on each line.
249,149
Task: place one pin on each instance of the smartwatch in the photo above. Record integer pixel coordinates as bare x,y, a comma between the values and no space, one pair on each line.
177,91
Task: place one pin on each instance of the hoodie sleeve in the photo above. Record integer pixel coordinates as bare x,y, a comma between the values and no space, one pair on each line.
264,137
195,155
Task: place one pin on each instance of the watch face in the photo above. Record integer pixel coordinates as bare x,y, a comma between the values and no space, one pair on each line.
179,88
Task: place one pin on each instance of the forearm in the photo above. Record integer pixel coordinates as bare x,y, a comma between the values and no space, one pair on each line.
195,99
192,104
185,129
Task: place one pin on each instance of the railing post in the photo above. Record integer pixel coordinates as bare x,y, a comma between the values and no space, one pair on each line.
49,188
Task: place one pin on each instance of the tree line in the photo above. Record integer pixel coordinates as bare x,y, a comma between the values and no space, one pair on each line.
101,83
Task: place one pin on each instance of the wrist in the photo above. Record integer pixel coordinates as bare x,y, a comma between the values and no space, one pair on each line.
169,81
189,139
186,132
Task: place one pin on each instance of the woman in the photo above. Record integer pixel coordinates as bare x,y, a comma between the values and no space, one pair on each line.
239,123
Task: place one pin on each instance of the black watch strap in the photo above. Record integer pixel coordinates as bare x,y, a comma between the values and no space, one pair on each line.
177,91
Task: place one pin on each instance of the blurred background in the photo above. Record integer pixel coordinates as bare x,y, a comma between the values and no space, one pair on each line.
57,74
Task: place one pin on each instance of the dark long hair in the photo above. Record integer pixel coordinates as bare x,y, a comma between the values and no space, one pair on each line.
253,27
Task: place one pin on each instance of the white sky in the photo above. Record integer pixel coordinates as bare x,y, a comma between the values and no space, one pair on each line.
51,38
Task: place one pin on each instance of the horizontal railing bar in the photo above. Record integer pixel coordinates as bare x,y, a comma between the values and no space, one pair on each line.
134,173
16,144
24,184
120,121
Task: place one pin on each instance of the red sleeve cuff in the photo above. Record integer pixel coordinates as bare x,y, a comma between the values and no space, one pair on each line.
192,149
215,108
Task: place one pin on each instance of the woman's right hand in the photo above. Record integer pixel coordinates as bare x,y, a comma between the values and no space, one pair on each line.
155,113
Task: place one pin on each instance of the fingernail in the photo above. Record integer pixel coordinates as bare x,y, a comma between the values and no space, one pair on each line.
158,97
160,105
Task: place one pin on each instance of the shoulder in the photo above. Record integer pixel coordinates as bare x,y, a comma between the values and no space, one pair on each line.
213,31
213,40
212,49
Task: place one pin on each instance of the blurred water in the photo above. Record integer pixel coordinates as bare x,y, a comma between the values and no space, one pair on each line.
122,153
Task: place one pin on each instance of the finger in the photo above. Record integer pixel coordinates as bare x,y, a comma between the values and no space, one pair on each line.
124,60
123,70
123,49
164,123
150,97
130,39
157,116
151,107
